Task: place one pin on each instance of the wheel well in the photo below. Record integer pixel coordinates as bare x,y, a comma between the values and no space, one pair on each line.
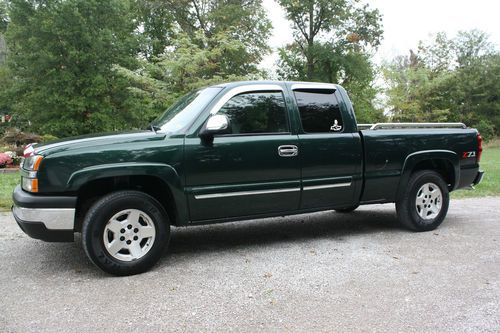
441,166
90,192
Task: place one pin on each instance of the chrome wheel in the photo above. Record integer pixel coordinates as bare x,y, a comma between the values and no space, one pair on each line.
129,235
429,201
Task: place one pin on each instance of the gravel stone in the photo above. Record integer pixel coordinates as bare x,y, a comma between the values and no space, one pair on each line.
319,272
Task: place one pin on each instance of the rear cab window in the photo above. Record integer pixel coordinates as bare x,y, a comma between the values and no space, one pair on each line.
319,110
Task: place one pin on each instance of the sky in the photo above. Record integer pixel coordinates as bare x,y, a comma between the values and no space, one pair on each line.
405,23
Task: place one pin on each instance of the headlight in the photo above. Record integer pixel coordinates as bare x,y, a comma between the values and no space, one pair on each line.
29,180
32,163
29,184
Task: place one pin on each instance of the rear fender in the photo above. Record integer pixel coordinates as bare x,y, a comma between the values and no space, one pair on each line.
414,159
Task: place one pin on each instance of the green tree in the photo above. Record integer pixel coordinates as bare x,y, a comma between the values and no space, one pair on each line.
4,18
5,75
157,22
187,65
4,21
333,41
245,21
408,93
62,54
5,84
326,25
187,44
447,79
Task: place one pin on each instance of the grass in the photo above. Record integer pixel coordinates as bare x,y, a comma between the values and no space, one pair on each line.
490,163
490,186
7,183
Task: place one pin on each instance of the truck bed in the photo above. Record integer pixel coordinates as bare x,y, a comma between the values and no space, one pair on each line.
386,151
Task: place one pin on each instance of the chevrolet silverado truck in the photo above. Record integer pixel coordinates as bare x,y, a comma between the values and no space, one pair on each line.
237,151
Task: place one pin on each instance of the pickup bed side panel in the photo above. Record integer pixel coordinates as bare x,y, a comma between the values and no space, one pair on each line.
392,155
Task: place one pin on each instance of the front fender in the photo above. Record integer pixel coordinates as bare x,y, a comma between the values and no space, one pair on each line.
426,155
162,171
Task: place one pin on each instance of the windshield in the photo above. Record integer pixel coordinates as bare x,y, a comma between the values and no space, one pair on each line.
185,110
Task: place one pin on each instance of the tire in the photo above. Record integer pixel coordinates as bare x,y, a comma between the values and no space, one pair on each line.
347,209
424,204
125,232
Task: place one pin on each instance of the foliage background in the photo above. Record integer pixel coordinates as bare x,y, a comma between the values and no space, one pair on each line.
71,67
448,79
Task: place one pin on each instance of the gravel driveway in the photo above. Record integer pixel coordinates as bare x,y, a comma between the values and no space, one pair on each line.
319,272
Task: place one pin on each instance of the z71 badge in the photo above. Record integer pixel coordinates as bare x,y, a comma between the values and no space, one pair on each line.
468,154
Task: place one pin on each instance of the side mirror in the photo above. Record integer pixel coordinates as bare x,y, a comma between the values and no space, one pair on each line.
216,124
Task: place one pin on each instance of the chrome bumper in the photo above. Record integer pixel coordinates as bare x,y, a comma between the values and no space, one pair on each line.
48,224
52,218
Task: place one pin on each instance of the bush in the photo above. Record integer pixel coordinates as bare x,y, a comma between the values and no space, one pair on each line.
14,136
5,160
487,130
16,159
14,140
48,137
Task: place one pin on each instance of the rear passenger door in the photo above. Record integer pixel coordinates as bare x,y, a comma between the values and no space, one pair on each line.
330,154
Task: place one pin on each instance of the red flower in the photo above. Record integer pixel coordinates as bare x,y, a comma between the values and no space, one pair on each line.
5,160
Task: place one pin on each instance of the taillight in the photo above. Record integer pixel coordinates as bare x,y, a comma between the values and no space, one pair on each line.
479,146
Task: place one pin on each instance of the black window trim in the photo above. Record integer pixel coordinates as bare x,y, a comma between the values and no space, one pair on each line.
306,88
238,93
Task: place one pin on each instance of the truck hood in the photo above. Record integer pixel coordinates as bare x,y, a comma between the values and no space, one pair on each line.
96,140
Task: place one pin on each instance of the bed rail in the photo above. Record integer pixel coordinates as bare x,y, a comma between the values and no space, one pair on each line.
409,125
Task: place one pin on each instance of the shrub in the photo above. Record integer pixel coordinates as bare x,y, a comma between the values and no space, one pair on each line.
14,136
5,160
487,129
48,137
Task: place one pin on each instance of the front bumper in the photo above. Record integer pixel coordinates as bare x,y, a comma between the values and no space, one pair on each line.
48,218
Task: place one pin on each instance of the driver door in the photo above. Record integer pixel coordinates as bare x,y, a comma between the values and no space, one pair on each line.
253,170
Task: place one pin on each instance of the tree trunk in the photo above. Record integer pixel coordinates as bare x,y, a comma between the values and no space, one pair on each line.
310,44
310,62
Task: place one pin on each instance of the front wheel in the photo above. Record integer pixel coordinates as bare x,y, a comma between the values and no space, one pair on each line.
425,202
125,233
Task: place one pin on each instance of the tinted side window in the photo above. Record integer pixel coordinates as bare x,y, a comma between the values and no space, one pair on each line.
256,112
319,111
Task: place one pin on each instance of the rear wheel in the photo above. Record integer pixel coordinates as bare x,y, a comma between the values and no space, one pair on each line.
125,232
424,204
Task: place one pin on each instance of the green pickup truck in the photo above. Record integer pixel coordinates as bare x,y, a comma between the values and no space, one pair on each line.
238,151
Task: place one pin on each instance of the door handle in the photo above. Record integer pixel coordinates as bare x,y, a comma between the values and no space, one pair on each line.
288,151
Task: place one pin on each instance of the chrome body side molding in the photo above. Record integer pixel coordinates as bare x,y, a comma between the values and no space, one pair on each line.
242,193
325,186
